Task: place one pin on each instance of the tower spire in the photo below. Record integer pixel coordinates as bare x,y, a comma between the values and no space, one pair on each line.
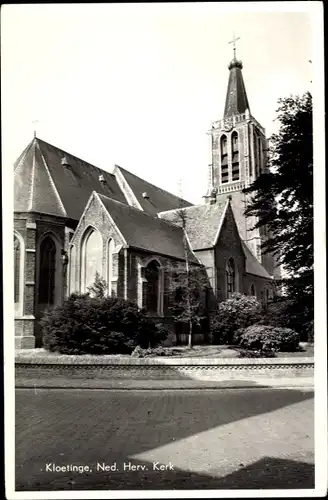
236,99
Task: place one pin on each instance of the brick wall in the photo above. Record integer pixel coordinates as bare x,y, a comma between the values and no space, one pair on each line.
229,246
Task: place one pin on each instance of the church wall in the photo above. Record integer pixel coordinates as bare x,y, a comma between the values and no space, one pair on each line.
32,227
229,246
96,217
207,258
260,284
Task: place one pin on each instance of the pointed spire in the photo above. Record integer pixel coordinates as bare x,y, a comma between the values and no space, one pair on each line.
236,100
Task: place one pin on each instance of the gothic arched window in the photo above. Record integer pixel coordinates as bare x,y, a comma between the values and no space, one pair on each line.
253,290
110,250
224,159
91,258
256,158
235,156
260,154
231,278
153,287
47,271
17,269
72,270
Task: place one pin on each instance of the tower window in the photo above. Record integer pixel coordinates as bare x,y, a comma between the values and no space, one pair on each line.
235,156
224,160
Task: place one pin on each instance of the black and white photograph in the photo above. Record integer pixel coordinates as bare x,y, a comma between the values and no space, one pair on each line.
163,174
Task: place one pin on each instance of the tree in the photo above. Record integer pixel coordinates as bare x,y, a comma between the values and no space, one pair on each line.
187,286
98,289
282,199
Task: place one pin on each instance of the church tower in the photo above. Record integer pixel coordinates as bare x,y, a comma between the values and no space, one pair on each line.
238,155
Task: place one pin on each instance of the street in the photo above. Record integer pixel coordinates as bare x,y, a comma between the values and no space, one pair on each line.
199,439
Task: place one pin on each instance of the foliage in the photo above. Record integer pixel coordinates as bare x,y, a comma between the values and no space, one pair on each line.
151,352
290,313
188,284
91,325
282,199
187,294
98,288
267,338
263,353
238,312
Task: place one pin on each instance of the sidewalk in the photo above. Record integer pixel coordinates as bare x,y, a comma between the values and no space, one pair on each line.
301,383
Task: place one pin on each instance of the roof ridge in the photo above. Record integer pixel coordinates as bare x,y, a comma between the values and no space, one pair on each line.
153,185
217,204
137,210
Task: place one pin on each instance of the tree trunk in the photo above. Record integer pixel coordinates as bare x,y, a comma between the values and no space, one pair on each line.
190,335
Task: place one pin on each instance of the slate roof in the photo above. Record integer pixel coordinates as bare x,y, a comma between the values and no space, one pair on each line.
253,266
236,98
159,200
42,184
202,223
145,232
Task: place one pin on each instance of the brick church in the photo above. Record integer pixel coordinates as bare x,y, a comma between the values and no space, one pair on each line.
72,219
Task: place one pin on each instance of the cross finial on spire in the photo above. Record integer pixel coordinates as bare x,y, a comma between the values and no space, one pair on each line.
234,40
35,122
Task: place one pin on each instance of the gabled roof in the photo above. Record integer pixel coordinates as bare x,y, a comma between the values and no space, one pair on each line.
145,232
236,99
158,199
34,189
43,184
202,223
253,266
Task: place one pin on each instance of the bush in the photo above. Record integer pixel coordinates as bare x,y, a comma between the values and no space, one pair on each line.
288,313
267,338
265,353
93,325
151,352
238,312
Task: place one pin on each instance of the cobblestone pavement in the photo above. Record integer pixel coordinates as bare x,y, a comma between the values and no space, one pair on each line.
206,439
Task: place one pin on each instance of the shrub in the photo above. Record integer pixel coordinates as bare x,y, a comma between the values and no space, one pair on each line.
151,352
288,313
265,353
93,325
238,312
267,338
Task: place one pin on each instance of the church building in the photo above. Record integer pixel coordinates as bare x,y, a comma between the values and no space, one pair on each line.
72,219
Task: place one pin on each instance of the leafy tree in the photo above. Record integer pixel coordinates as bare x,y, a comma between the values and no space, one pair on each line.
187,286
282,198
232,314
98,289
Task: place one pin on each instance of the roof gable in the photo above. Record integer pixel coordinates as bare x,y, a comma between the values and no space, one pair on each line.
146,232
203,223
71,186
157,200
34,190
253,266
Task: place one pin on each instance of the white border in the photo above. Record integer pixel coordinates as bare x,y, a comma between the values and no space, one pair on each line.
315,9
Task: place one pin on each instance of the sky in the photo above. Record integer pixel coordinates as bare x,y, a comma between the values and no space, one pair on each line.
138,84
